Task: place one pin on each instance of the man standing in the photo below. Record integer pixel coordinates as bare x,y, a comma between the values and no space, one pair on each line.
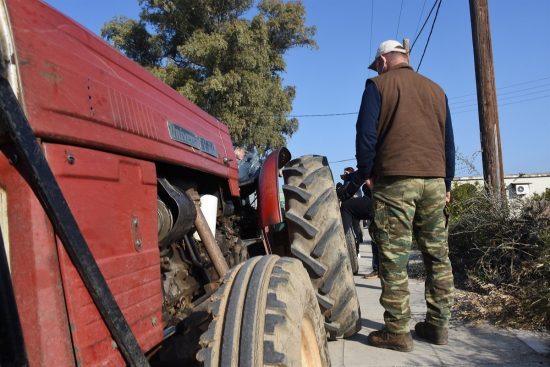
405,148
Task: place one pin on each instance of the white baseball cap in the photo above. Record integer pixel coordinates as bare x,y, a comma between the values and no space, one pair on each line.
387,47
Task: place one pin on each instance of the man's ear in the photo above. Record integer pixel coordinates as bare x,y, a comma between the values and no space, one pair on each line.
384,63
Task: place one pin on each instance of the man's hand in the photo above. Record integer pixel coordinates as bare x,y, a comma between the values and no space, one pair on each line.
448,197
342,192
347,190
370,183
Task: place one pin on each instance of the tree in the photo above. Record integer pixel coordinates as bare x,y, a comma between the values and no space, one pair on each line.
222,58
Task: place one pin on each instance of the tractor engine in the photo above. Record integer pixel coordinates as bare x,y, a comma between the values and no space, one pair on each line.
187,272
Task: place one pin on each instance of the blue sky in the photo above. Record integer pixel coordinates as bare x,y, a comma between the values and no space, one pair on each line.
330,80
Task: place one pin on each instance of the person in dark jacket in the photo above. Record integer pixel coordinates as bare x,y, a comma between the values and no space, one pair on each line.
355,209
356,225
405,151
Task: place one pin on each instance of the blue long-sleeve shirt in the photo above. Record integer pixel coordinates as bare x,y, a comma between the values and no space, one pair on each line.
367,135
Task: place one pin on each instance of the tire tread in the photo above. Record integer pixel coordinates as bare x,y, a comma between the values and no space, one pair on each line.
323,251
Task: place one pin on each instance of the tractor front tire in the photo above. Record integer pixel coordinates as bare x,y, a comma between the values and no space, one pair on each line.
265,314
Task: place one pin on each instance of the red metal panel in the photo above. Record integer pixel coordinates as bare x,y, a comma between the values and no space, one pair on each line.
79,90
269,209
35,274
114,201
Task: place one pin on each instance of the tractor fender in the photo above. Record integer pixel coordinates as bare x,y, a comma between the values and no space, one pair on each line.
269,209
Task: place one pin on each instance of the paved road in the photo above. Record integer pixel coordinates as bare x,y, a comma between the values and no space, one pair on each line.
468,346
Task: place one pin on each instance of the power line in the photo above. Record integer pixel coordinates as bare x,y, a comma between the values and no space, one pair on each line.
343,160
467,103
471,110
500,98
429,35
453,112
508,86
326,114
513,99
500,94
423,25
474,99
399,19
510,100
450,105
371,21
420,17
506,104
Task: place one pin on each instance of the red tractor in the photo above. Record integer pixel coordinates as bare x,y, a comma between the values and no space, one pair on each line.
127,237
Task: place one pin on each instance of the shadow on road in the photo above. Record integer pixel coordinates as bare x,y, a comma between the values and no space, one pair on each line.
366,286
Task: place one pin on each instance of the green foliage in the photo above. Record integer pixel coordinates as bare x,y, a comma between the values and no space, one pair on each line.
462,195
543,196
228,64
132,36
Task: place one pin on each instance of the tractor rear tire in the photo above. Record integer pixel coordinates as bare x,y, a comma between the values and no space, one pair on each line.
265,314
317,239
352,250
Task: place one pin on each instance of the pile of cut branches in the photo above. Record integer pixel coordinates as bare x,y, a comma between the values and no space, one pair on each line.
501,252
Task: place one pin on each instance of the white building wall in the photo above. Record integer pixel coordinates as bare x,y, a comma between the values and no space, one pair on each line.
517,186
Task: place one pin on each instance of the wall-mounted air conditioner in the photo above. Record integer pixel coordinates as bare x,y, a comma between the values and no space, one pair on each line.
521,189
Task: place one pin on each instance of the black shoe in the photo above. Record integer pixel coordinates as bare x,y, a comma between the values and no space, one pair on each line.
434,334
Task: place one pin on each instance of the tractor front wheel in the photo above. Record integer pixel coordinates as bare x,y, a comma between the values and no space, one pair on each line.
265,314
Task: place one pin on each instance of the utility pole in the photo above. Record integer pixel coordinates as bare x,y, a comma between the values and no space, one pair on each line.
493,171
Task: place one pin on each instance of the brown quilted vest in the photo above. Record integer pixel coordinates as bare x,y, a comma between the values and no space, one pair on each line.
411,128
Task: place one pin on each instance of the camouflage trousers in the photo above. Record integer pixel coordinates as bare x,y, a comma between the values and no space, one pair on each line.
407,207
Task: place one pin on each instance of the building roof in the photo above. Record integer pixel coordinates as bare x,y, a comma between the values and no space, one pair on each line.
512,176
